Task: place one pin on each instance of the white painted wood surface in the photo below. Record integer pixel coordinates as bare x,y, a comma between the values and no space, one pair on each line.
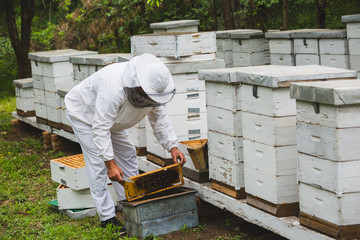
227,172
51,84
338,61
38,82
39,96
273,131
334,144
224,121
56,69
25,104
354,46
24,92
333,46
269,101
137,136
52,99
329,115
355,62
353,30
307,59
336,177
225,146
40,110
224,96
250,59
274,160
188,82
344,210
275,189
62,110
79,199
306,46
249,45
283,46
224,45
282,59
187,103
53,114
32,121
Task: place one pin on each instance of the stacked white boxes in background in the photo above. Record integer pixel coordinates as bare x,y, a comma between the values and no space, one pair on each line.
269,132
24,97
225,142
281,47
224,48
322,47
50,70
249,48
353,35
328,129
184,54
84,66
73,191
65,124
175,26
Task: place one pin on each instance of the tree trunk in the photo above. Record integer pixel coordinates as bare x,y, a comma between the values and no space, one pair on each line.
21,44
320,13
227,14
285,25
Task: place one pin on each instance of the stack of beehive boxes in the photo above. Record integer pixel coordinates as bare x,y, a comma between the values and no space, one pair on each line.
328,128
353,35
184,54
322,47
73,191
242,47
281,47
225,142
24,97
51,70
175,26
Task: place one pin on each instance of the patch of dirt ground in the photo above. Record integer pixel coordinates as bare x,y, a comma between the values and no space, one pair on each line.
215,223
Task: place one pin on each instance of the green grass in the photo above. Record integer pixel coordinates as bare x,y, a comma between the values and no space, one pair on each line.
26,188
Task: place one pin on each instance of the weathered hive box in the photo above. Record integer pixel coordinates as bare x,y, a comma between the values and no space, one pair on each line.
193,66
328,118
281,47
24,93
150,217
79,199
269,130
352,25
65,124
137,135
84,66
175,26
353,35
226,167
174,45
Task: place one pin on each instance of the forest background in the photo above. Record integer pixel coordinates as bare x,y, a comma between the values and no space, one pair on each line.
107,25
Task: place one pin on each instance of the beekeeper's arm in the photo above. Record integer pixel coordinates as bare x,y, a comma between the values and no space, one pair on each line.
164,133
105,113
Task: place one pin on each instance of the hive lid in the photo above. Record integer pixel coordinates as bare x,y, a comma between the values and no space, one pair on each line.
221,75
275,76
286,34
96,59
174,24
320,33
247,34
351,18
62,55
337,92
24,83
227,33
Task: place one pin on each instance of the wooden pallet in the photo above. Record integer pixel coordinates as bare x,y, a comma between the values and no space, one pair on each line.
67,128
55,124
159,160
278,210
41,120
25,114
197,176
141,151
330,229
228,190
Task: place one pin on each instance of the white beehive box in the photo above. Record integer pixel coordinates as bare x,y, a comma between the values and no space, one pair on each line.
336,177
175,26
340,61
174,45
63,117
354,46
24,93
79,199
272,188
226,172
334,46
39,96
40,110
280,42
307,59
282,59
344,210
352,25
355,63
137,134
276,161
226,147
250,59
273,131
38,82
306,46
224,96
187,83
193,66
224,121
187,103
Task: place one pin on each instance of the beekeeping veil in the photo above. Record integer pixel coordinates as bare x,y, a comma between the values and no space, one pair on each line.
147,82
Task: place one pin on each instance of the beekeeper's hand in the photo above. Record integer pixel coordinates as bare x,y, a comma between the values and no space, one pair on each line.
177,155
114,172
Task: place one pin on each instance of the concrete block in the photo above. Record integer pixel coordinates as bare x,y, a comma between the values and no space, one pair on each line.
307,59
224,121
354,46
226,147
306,46
338,61
333,46
282,59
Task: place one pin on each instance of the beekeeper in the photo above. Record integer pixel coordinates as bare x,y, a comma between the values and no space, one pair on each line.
103,106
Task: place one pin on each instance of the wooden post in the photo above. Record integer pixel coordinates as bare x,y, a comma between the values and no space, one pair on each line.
16,125
47,140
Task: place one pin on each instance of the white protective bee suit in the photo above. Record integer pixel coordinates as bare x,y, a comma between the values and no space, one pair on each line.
100,112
